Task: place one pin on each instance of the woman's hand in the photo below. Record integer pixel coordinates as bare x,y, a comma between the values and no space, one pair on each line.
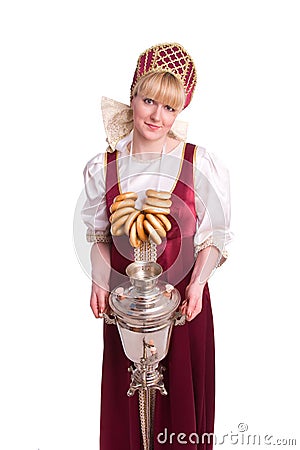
99,300
192,304
206,262
100,259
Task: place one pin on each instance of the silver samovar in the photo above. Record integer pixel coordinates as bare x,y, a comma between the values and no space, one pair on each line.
145,310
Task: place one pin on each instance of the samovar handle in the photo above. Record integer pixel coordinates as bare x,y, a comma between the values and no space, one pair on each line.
179,318
110,319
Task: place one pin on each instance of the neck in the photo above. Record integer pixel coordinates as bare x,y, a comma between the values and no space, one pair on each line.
142,145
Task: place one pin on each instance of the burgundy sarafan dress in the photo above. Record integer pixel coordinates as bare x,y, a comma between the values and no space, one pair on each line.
189,376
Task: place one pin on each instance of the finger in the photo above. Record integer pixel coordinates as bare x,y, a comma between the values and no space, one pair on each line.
183,307
104,306
191,305
104,303
198,308
94,305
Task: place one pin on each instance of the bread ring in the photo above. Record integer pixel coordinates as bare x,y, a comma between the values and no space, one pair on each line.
125,196
122,204
133,238
130,219
167,224
121,212
157,225
117,225
162,195
159,203
140,228
155,209
152,233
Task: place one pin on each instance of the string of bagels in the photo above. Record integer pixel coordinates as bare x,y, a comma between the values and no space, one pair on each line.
151,223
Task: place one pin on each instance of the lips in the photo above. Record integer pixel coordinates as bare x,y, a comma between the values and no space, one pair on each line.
152,126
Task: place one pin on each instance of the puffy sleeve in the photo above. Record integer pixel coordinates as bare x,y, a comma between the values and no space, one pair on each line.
94,213
212,199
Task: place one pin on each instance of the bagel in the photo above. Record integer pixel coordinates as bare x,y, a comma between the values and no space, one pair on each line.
129,202
162,195
157,225
125,196
155,210
159,203
165,221
130,219
119,232
117,225
152,232
121,212
140,228
133,237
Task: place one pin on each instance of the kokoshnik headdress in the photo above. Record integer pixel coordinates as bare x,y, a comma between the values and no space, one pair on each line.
172,58
168,57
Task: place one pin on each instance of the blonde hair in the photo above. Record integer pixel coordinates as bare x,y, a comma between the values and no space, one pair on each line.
163,87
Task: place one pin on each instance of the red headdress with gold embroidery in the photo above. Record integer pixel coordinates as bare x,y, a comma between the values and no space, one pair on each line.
172,58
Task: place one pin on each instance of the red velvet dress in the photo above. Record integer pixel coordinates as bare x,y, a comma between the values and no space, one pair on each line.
189,376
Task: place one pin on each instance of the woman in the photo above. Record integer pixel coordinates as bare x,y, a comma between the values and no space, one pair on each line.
147,149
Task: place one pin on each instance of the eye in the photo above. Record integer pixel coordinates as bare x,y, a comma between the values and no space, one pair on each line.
169,108
148,101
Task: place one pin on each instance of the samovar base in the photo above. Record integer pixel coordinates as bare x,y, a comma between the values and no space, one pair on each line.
147,380
146,377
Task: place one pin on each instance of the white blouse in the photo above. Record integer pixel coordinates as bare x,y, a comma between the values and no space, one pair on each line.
211,185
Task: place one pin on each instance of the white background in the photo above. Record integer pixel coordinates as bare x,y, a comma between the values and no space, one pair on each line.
58,58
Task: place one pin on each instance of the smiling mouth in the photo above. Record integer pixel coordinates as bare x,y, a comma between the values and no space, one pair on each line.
152,126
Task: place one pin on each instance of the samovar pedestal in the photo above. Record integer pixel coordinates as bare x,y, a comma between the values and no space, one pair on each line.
146,380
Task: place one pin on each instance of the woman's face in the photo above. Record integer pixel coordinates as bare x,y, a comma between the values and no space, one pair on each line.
152,120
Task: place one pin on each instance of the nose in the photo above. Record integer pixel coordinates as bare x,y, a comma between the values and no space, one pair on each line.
156,113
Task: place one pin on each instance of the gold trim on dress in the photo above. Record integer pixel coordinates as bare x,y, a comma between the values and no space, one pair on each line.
105,166
194,167
118,173
180,168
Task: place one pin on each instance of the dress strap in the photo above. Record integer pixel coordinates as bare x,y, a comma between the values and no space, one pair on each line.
189,152
186,176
